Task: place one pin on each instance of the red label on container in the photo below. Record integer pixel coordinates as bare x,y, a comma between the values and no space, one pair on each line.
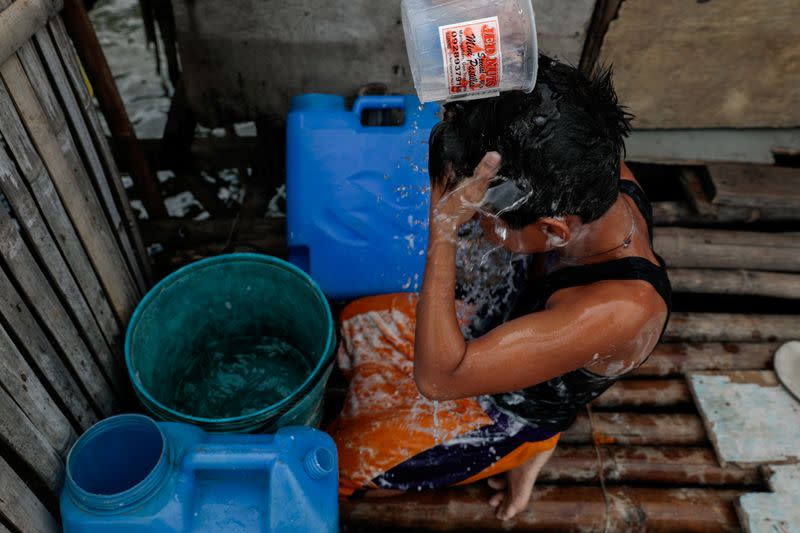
472,59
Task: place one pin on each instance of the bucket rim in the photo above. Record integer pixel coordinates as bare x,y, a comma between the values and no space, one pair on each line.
318,370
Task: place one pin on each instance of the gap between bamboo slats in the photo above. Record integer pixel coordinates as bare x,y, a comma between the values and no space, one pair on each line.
68,386
55,146
20,506
69,60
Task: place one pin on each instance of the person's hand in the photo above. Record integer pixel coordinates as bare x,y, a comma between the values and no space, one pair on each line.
450,210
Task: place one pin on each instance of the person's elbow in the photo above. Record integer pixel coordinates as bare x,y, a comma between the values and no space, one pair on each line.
431,387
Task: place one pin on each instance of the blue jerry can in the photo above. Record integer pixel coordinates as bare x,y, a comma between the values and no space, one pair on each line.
357,196
130,474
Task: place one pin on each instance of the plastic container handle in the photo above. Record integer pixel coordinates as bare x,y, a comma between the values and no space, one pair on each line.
228,457
378,102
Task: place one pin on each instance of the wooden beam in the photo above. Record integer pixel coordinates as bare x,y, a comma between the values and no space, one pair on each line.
94,61
674,465
682,214
705,248
659,393
638,429
567,509
755,186
604,12
672,359
20,20
720,327
742,282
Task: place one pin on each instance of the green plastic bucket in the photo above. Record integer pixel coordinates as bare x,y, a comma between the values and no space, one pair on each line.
230,296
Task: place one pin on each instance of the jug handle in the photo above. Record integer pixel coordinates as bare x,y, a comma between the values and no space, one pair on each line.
378,102
227,457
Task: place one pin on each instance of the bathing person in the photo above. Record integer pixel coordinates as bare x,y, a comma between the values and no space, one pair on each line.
429,407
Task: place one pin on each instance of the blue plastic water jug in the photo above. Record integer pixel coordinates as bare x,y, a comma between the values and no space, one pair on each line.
358,195
130,474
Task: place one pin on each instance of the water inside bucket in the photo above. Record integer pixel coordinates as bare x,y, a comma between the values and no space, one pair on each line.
237,376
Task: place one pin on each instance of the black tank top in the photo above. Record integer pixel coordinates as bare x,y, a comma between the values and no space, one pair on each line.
554,404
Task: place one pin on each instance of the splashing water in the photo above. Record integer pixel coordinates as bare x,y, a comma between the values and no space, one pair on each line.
238,376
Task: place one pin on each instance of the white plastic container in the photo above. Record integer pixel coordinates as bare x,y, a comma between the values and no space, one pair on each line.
464,49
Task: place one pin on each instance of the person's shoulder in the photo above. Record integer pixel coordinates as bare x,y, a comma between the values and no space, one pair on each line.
635,298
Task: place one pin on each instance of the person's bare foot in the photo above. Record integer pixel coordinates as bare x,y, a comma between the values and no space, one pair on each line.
516,486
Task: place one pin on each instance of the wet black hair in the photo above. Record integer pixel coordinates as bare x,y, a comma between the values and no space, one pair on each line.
562,142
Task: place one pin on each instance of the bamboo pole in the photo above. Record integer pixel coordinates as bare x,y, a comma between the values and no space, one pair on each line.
565,509
94,61
21,20
744,282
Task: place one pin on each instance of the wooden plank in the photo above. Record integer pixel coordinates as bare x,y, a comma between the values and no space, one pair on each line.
706,248
69,59
680,213
19,319
75,116
21,20
19,434
672,359
52,314
41,188
17,377
32,223
701,146
643,393
720,327
755,186
75,191
565,509
749,417
674,465
20,506
652,39
743,282
638,429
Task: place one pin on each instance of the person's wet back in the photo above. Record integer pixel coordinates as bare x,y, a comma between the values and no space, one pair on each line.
429,407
